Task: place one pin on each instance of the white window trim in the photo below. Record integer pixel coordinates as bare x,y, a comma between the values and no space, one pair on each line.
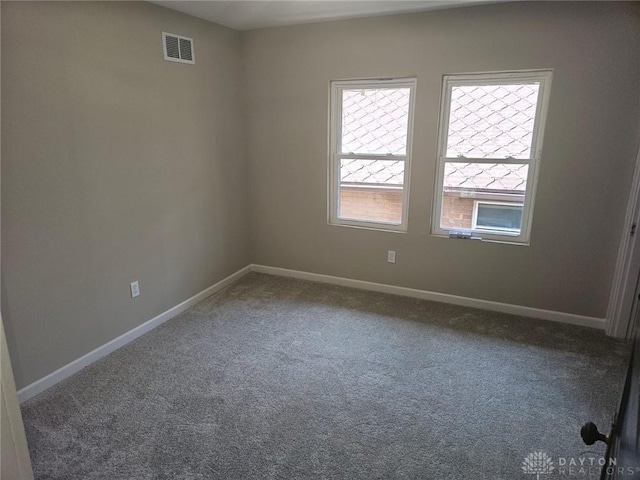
474,217
495,78
335,136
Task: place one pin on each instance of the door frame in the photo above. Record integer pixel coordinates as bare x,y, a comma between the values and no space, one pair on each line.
625,286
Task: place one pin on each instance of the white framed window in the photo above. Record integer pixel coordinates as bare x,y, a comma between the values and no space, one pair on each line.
489,148
371,124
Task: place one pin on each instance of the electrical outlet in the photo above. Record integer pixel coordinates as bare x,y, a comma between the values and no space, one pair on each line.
391,256
135,289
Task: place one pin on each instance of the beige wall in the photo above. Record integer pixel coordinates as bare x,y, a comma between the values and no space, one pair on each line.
116,166
119,166
14,452
590,146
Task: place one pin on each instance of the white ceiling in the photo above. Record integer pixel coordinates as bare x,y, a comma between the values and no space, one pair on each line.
247,14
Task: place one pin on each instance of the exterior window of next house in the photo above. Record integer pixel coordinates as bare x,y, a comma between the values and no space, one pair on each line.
489,149
370,152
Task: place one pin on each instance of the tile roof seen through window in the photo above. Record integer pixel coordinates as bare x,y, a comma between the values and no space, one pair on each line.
373,172
374,121
492,121
486,121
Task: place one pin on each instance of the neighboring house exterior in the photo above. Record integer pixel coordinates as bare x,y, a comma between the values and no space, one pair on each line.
486,196
372,190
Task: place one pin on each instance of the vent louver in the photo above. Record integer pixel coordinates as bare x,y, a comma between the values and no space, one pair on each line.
185,49
177,48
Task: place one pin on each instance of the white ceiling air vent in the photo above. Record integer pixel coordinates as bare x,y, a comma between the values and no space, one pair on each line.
177,48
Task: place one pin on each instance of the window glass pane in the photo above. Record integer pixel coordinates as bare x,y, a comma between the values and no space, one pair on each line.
371,190
486,177
375,120
492,121
466,183
499,217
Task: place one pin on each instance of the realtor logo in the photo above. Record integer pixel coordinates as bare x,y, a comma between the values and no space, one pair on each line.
537,463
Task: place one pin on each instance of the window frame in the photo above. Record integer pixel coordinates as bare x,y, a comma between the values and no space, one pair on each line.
544,77
335,154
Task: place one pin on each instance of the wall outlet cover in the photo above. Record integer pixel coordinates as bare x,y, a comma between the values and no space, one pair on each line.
391,256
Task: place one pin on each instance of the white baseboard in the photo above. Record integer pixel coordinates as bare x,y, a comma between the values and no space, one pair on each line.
44,383
562,317
41,385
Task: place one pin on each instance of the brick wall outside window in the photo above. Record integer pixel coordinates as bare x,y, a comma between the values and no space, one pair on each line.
385,205
375,204
457,212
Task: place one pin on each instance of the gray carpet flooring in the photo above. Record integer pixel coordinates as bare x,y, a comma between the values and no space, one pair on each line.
276,378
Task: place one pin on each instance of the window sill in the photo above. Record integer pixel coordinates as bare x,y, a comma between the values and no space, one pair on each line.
381,228
484,240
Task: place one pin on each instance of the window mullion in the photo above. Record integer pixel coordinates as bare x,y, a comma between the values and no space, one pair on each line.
511,161
371,156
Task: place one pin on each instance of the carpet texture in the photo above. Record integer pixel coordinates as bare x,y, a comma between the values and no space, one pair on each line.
279,378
